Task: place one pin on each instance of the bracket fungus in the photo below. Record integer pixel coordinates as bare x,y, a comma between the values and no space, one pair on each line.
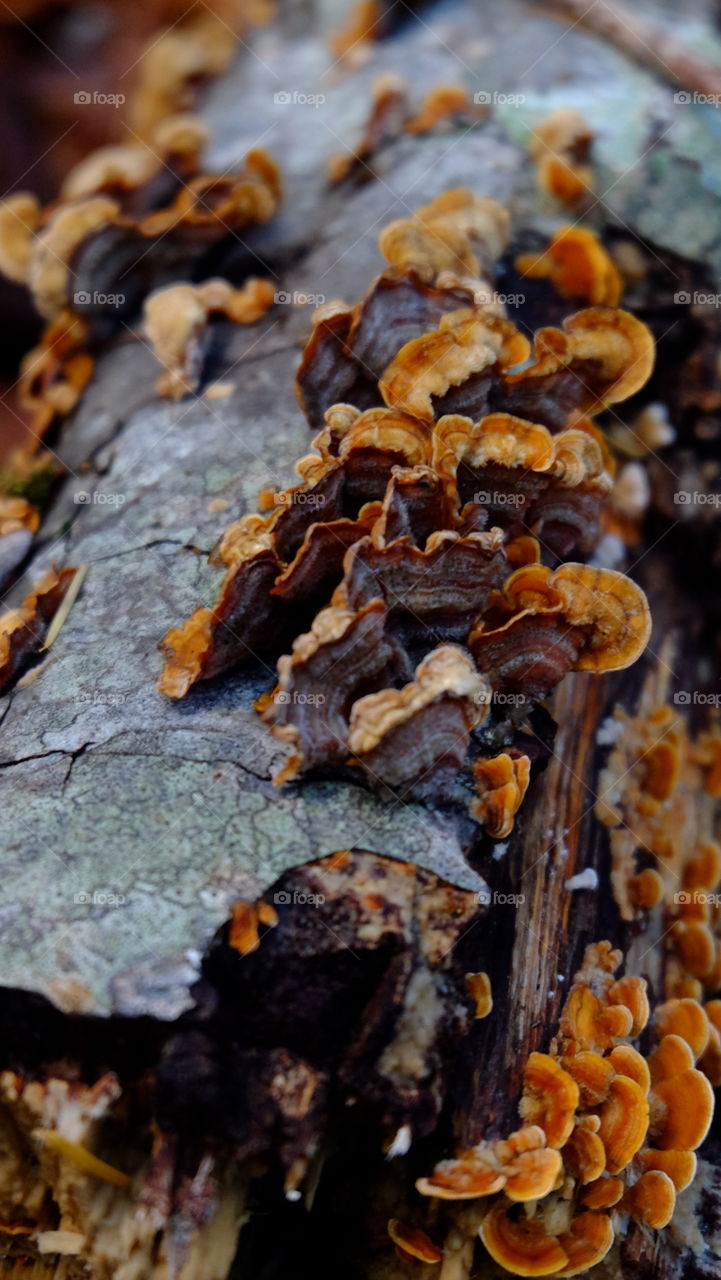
176,319
611,1133
75,252
560,148
403,571
577,265
23,630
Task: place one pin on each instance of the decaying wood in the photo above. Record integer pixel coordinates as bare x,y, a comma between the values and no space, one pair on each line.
108,791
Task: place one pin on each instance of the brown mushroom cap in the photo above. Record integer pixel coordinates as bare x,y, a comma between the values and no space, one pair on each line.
615,609
464,343
66,229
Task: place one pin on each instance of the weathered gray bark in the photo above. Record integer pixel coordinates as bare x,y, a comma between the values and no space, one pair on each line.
106,787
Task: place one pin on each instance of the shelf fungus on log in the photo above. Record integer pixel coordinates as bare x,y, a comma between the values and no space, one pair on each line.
606,1133
129,217
560,148
403,572
577,265
112,216
657,795
19,521
176,319
429,338
23,630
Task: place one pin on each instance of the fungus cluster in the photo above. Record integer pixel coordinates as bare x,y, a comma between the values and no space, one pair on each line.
127,217
418,575
606,1133
658,795
560,148
176,325
124,202
577,266
24,629
390,116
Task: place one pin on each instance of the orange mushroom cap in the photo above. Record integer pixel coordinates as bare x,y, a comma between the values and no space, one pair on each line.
520,1245
624,1122
613,606
671,1056
550,1098
704,870
679,1165
501,783
695,946
577,265
533,1174
413,1242
631,992
586,1242
584,1155
479,985
593,1075
627,1061
685,1018
646,889
652,1199
520,1163
604,1193
682,1109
